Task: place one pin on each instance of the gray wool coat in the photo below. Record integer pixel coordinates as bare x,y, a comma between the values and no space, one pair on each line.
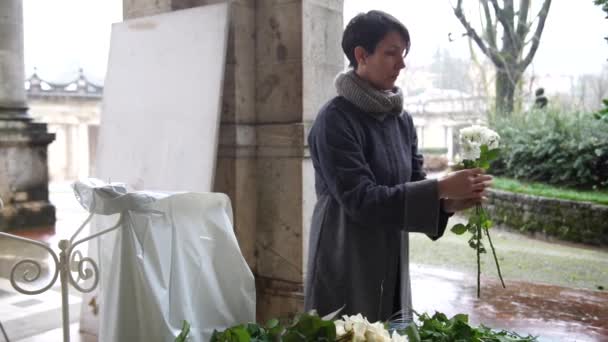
371,191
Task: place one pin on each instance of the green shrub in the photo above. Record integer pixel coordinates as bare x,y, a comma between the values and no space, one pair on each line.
565,149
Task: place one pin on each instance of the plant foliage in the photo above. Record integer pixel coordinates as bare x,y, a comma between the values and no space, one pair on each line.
438,328
311,327
553,147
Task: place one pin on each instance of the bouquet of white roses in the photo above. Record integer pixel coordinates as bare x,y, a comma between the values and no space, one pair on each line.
479,146
472,142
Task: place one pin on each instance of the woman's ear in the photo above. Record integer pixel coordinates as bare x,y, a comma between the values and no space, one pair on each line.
360,55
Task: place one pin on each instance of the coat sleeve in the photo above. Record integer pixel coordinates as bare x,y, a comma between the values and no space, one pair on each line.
338,154
418,174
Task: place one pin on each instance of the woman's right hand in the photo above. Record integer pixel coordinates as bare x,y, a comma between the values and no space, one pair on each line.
469,183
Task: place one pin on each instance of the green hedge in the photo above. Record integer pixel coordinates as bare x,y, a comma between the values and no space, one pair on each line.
565,149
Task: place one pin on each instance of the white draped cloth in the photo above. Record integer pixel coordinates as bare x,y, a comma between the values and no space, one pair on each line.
175,257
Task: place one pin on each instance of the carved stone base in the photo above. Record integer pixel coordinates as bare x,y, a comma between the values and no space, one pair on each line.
24,175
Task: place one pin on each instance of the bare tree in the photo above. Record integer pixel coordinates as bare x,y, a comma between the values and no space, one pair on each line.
515,28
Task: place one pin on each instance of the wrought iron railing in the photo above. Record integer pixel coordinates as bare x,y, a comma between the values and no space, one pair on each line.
68,261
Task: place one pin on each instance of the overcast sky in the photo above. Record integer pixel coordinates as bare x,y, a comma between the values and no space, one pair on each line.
63,35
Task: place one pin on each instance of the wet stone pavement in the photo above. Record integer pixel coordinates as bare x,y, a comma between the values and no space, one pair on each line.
552,313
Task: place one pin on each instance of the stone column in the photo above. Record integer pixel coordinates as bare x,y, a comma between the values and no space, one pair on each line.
298,55
23,143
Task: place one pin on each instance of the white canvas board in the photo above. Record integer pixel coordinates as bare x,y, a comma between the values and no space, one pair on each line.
162,100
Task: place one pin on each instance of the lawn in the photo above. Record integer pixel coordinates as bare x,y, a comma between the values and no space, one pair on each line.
544,190
521,258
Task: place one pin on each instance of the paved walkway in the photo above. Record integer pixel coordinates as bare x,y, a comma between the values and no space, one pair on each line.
551,312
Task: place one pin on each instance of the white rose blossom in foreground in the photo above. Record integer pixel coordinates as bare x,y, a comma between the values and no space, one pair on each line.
364,331
473,137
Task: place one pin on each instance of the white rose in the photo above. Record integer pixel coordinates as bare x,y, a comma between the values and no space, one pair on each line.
340,331
359,330
398,338
471,151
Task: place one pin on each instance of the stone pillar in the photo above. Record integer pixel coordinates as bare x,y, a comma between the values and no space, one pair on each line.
298,55
281,61
236,173
23,143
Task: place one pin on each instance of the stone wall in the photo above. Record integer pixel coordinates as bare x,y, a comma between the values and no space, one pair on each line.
551,218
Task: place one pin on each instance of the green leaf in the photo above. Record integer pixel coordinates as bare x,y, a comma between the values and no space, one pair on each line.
461,318
272,323
412,333
308,327
238,334
487,223
440,316
492,154
471,228
183,335
462,331
459,229
484,149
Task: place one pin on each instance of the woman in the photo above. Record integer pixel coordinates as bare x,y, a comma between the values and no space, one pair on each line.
371,190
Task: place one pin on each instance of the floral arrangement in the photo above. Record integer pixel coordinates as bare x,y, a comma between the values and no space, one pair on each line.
472,140
309,327
479,146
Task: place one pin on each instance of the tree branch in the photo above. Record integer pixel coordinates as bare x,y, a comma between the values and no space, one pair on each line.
542,16
522,20
505,17
490,29
491,53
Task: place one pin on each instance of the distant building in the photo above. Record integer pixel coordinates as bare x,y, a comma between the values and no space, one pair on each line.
72,111
439,114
